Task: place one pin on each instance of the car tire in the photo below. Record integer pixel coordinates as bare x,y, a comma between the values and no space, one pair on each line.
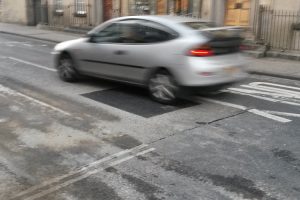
66,69
163,87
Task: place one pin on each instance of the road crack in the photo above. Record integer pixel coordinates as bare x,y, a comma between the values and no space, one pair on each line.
223,118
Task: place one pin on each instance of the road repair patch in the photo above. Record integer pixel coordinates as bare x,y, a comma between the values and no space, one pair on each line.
135,100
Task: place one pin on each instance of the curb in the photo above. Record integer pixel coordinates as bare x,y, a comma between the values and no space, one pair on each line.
29,36
255,54
297,78
283,55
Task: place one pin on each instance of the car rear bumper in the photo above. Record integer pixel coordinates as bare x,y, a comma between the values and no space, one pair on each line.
208,71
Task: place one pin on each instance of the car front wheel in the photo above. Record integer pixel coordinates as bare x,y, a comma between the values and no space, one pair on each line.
66,70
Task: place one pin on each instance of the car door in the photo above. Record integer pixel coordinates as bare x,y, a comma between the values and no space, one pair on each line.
95,55
139,50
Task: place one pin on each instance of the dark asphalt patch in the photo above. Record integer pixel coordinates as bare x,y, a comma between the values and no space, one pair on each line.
91,189
148,189
143,187
123,141
111,170
136,101
285,155
296,189
236,184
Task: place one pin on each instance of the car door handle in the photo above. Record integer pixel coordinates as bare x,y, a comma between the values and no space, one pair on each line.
120,52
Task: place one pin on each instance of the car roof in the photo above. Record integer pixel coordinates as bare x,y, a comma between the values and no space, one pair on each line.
171,21
179,19
169,18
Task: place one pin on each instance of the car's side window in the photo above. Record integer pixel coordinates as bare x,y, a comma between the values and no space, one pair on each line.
109,34
152,35
154,32
142,31
134,32
131,33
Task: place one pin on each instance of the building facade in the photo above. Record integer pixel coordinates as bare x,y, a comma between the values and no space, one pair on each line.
93,12
235,12
53,12
11,13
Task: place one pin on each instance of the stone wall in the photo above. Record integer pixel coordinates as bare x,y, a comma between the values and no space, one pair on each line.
14,14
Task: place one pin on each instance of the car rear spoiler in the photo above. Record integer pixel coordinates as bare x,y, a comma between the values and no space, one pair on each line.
226,31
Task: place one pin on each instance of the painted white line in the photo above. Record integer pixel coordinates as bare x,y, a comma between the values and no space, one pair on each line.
254,111
276,92
15,93
86,175
117,162
283,113
2,120
32,64
81,170
259,84
224,103
28,45
238,91
270,116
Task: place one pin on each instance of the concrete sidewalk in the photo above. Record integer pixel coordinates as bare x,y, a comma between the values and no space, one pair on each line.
33,32
264,66
276,67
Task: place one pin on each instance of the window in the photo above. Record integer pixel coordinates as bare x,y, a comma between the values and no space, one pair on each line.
58,7
134,32
111,34
80,7
142,31
58,3
199,25
155,32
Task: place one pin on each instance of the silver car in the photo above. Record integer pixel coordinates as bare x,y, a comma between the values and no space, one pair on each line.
168,55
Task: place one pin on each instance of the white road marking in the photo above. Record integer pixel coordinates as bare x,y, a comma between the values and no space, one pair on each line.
272,92
224,103
2,120
32,64
9,91
282,113
242,92
83,173
28,45
253,111
275,92
259,84
270,116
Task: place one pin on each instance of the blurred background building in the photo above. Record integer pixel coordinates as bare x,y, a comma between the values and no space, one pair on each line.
69,12
274,22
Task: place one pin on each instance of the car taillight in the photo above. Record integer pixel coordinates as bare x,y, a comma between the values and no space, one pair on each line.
202,51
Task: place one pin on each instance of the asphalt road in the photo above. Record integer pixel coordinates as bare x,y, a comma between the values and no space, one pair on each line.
101,140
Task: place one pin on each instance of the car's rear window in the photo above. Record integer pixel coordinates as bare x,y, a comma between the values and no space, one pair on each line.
199,25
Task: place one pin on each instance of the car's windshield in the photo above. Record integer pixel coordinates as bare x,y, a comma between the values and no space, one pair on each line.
199,25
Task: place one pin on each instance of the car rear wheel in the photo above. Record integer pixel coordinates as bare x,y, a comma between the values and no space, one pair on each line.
66,70
163,88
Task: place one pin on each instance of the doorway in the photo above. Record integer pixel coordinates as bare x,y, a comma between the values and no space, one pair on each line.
237,13
37,8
